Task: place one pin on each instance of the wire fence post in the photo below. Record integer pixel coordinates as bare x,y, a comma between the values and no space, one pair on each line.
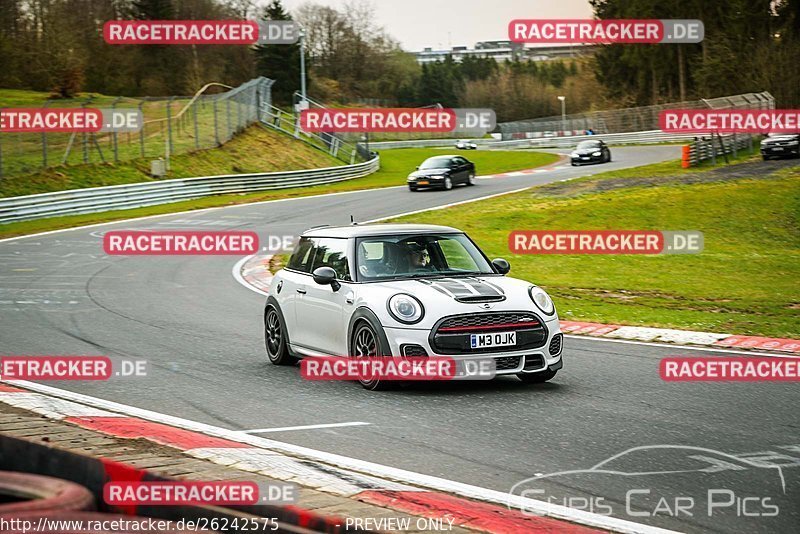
44,144
114,139
228,115
169,127
216,123
196,130
141,130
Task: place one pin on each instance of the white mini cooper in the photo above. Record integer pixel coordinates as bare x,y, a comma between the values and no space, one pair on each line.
408,290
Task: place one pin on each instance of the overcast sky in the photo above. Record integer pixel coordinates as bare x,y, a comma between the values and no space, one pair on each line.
444,23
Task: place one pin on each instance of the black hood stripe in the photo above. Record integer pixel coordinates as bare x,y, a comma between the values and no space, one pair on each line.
496,288
464,287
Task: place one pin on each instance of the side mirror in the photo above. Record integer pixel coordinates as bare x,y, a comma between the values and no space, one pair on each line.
501,266
417,167
326,276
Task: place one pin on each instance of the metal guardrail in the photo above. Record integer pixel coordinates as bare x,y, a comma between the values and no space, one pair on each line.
652,136
704,149
116,197
627,119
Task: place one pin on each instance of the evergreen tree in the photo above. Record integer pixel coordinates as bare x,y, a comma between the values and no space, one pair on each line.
279,62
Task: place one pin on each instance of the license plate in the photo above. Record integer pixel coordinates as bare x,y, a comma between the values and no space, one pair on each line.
584,157
777,149
423,182
497,339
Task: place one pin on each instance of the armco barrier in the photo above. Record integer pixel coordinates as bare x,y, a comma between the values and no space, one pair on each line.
703,149
117,197
652,136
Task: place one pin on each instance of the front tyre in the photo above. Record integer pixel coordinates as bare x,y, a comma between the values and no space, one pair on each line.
275,338
448,183
412,188
365,345
537,378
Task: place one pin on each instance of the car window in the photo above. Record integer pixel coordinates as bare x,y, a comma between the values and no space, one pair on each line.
332,253
410,255
589,144
457,256
460,160
437,162
302,256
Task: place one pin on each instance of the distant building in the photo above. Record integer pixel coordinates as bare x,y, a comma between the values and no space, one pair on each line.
502,51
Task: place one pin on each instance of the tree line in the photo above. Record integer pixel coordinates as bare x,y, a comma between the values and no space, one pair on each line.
57,46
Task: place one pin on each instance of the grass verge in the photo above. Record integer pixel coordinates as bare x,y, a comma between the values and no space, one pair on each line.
395,166
254,150
744,282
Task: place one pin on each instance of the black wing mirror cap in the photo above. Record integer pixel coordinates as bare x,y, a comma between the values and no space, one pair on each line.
501,266
326,276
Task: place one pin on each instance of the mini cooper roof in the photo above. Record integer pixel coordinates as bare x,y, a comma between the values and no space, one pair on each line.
359,230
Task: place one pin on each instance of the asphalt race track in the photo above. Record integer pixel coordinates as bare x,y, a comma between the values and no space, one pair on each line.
201,331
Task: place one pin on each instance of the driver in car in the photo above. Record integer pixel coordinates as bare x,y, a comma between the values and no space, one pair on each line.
418,258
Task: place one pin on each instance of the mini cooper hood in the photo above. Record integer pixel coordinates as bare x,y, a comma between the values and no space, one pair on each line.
587,151
465,289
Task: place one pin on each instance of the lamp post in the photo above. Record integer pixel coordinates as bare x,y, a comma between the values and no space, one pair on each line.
563,114
303,64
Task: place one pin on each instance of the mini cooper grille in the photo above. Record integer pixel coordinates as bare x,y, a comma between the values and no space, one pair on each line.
555,344
507,363
458,334
414,351
486,321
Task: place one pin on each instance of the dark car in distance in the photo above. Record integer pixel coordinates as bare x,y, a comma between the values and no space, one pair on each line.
594,151
781,146
442,172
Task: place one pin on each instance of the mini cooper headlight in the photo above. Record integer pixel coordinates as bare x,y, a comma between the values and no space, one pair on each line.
574,155
406,308
542,300
598,153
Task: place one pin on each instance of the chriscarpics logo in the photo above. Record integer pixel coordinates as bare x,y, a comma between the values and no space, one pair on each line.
668,481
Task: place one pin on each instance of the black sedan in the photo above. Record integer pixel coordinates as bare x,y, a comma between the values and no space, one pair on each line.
442,172
781,146
594,151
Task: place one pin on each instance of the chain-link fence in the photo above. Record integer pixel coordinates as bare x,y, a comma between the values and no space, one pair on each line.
637,119
172,125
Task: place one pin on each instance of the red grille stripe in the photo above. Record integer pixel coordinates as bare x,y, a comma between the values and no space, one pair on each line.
490,327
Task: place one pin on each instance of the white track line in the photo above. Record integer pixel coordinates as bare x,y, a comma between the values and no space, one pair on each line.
361,466
305,427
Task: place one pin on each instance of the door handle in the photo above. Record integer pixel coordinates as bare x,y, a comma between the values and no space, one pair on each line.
301,291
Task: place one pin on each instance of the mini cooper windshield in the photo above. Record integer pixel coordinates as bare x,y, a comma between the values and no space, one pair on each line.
418,256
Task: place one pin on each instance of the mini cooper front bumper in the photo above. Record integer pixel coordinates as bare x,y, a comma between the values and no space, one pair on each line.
538,346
